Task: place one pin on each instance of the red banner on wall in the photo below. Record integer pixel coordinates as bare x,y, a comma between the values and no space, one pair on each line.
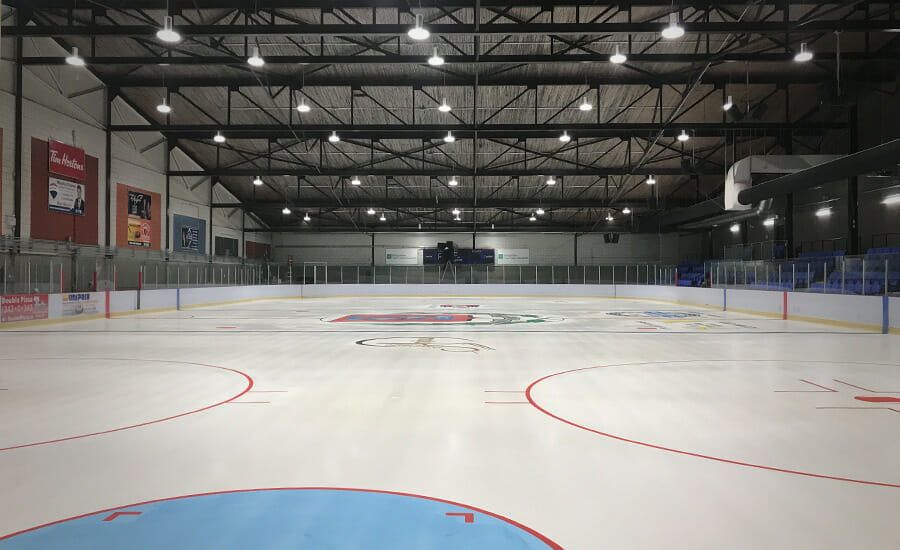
23,307
66,161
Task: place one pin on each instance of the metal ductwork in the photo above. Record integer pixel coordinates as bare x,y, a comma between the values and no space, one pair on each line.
863,162
763,208
703,209
740,176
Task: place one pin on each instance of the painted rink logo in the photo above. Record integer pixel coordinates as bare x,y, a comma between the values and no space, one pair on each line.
452,345
445,319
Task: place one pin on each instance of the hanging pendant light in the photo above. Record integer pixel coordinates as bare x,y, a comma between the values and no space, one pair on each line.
167,33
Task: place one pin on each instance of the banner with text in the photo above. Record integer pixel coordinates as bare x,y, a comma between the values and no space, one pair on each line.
139,229
23,307
66,197
66,161
401,256
189,234
84,303
511,256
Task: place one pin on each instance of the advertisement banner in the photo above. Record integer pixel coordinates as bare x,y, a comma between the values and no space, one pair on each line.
139,228
189,233
401,256
66,197
511,256
66,161
84,303
23,307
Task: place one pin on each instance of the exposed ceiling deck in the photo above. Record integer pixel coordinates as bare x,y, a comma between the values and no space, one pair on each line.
515,74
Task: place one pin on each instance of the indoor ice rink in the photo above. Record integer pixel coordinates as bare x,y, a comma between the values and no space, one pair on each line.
449,275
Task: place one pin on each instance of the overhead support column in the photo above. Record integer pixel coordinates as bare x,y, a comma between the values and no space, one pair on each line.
17,161
167,231
853,190
789,225
110,97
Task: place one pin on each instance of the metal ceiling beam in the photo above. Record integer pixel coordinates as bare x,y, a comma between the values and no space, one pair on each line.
403,5
444,203
465,131
435,172
663,58
456,29
457,81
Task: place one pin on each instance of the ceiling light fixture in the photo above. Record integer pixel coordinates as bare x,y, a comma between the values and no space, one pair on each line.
626,210
449,138
306,217
735,228
651,180
256,60
167,33
453,182
219,138
565,137
891,199
533,218
435,60
303,107
823,212
257,181
585,105
609,217
370,211
539,211
769,222
729,103
674,30
334,138
618,58
455,211
382,218
164,107
355,181
804,54
444,107
74,59
286,211
418,32
551,180
683,136
457,218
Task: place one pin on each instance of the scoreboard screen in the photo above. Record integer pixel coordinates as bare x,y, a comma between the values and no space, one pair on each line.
459,256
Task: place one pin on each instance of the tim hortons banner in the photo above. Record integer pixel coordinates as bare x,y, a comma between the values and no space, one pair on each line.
66,161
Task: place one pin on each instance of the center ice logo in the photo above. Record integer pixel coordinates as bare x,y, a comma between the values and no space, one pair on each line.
443,319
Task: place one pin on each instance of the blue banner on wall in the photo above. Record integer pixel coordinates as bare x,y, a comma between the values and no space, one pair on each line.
189,234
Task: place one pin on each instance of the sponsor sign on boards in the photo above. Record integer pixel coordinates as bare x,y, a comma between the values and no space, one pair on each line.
84,303
66,161
66,197
23,307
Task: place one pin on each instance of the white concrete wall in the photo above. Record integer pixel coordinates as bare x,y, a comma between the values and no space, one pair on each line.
845,308
545,248
311,291
755,300
700,296
894,313
211,295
